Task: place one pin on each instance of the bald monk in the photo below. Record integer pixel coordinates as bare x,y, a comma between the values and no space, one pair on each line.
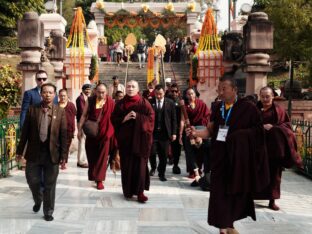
239,165
281,145
133,120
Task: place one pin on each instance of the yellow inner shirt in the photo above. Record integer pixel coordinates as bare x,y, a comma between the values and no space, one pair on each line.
228,106
99,104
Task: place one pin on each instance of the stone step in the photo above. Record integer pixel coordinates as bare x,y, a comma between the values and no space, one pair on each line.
107,70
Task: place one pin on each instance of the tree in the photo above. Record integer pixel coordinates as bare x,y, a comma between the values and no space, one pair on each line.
292,22
12,11
68,13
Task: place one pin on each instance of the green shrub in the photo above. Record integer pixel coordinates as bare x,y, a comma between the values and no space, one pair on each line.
10,89
8,45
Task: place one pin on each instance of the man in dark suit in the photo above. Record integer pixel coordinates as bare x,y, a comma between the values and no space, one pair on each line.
44,131
32,96
165,130
80,103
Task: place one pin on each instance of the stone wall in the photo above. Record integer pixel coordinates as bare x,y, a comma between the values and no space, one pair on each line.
301,109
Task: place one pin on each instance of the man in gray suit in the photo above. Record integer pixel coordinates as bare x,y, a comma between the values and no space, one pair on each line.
44,132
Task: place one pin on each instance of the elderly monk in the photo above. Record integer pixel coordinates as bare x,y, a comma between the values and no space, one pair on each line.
98,108
133,120
281,145
239,165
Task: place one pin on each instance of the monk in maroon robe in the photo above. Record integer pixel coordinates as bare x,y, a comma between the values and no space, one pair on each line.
196,155
281,145
98,106
239,164
133,120
70,111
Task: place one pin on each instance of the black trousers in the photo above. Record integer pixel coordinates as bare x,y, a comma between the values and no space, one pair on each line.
176,151
49,171
197,157
159,147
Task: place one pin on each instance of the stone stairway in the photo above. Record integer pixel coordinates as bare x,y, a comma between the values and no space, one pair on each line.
178,72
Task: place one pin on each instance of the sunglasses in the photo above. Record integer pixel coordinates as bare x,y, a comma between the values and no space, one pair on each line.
41,79
174,91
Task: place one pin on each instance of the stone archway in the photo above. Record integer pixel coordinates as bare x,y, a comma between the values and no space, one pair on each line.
152,14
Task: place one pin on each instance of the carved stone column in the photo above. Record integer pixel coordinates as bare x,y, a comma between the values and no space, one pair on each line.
190,21
258,41
57,54
31,42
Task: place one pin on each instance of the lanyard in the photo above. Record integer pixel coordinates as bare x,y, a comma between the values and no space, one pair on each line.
226,119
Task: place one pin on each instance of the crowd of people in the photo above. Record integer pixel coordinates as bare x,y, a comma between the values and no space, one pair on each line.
177,50
237,148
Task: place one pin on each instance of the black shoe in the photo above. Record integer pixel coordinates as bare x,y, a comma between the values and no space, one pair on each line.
152,172
194,183
48,218
36,207
176,170
162,178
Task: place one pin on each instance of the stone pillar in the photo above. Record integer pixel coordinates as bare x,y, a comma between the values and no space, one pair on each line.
57,54
190,21
54,27
99,20
93,36
232,46
258,41
53,21
73,82
31,42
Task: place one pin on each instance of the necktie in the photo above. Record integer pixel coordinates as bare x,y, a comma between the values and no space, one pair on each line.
159,106
44,125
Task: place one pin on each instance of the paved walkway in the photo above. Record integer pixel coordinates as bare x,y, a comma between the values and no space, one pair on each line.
173,207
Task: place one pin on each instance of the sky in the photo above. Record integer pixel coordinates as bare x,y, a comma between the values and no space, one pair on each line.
223,14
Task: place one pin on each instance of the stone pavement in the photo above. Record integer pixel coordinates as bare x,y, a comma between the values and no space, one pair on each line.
173,207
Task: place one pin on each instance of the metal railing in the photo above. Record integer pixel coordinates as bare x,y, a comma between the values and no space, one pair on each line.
303,131
9,138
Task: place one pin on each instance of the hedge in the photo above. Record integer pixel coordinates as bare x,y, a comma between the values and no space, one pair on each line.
8,45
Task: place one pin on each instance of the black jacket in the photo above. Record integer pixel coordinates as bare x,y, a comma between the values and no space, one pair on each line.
169,115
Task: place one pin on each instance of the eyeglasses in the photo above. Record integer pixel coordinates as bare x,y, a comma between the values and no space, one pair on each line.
174,91
41,79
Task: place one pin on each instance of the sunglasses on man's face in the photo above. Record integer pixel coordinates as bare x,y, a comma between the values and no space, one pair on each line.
41,79
174,91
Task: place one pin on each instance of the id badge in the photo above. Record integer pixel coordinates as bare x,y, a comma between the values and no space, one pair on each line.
222,133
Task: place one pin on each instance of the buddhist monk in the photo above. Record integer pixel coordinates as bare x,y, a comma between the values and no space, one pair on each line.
133,120
239,164
281,145
196,155
99,107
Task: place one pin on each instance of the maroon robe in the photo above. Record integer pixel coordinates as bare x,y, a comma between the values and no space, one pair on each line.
97,148
134,138
199,116
70,111
239,166
281,148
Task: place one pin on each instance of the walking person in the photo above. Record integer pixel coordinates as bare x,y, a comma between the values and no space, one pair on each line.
116,86
98,108
32,96
196,154
239,165
176,144
80,104
280,142
165,131
70,111
133,120
141,50
44,132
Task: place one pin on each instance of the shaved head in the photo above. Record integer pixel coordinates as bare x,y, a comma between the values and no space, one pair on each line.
132,88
